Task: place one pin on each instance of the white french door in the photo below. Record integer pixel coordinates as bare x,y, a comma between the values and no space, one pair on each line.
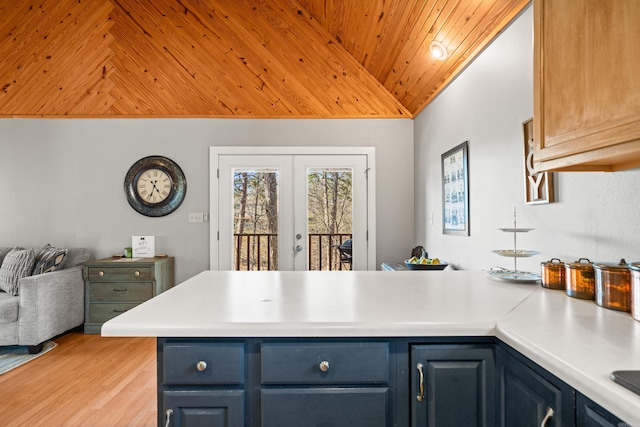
295,176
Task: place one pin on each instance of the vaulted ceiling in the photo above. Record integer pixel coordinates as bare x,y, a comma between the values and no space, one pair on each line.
240,58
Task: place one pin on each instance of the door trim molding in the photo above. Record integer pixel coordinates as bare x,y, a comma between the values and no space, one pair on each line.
216,151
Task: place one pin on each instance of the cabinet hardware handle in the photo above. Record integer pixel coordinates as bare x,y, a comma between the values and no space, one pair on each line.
201,366
420,396
100,273
137,273
119,311
324,366
168,415
119,290
547,417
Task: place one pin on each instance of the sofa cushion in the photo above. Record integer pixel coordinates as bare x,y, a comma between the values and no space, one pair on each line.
8,308
49,259
17,264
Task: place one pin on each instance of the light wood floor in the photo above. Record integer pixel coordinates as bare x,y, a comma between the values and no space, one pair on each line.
87,380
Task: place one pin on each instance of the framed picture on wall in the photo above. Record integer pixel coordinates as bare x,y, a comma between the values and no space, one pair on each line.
455,191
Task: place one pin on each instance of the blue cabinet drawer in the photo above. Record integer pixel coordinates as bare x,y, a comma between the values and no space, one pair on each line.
325,407
203,363
325,363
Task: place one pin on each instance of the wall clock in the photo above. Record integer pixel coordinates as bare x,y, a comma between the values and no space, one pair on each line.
155,186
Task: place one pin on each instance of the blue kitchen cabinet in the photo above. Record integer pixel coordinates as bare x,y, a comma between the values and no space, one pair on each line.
373,382
590,414
530,395
453,385
201,383
327,383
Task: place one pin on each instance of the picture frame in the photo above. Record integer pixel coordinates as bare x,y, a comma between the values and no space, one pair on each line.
455,191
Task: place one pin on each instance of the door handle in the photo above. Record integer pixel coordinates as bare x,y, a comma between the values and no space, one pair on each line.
547,417
298,248
420,396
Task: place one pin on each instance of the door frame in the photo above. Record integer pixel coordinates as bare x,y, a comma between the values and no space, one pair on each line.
216,151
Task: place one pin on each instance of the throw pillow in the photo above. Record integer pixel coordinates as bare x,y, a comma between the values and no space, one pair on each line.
49,259
17,264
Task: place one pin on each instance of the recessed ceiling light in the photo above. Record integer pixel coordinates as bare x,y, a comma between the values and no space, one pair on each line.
438,50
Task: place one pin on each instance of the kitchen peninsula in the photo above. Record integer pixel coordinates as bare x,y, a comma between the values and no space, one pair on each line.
266,348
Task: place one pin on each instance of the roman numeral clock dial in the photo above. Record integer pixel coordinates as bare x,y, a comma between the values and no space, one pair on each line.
155,186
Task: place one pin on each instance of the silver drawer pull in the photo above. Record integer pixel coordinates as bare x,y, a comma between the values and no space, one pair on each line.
324,366
120,290
119,311
201,366
136,273
101,273
420,396
547,417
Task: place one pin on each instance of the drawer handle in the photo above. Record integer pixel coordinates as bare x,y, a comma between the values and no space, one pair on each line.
324,366
101,273
120,290
168,415
547,417
201,366
420,396
136,273
119,311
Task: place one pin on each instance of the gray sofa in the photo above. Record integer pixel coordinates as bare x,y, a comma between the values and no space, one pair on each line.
47,304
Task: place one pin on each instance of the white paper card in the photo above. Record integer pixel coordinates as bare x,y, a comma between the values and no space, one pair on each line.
143,246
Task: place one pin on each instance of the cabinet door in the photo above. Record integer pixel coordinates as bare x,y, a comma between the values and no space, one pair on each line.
298,407
586,86
211,408
529,398
590,414
452,385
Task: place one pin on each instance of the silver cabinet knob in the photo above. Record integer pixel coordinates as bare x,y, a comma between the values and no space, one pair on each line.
101,273
136,273
298,248
324,366
201,366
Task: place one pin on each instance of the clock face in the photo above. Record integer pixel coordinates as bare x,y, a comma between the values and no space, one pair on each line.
153,186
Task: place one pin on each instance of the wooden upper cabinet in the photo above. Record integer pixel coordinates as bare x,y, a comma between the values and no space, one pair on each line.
586,84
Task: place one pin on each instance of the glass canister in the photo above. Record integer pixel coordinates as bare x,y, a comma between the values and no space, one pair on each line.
580,280
634,269
613,285
553,274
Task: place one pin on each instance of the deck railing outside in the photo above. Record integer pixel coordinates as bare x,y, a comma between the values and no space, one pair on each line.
256,251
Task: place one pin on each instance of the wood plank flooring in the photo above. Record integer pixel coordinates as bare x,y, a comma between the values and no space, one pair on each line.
87,380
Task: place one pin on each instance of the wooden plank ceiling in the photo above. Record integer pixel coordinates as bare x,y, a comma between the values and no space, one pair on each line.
241,58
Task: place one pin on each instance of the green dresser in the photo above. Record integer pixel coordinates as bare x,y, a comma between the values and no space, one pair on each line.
115,285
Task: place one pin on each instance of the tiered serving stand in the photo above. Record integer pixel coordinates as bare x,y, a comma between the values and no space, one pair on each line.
514,275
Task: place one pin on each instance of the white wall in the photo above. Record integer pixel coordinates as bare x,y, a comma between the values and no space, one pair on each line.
596,214
62,180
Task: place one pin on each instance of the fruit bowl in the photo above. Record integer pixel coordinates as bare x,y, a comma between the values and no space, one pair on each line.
415,266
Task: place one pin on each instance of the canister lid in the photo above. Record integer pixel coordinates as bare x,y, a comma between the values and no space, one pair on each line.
635,266
581,264
620,265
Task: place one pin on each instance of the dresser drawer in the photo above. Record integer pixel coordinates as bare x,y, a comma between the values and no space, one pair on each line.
223,363
119,274
120,291
320,363
100,313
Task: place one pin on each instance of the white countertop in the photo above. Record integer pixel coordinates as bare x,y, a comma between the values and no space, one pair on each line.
575,340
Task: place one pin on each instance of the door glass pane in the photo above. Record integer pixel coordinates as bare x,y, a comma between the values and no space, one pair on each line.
255,219
330,218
